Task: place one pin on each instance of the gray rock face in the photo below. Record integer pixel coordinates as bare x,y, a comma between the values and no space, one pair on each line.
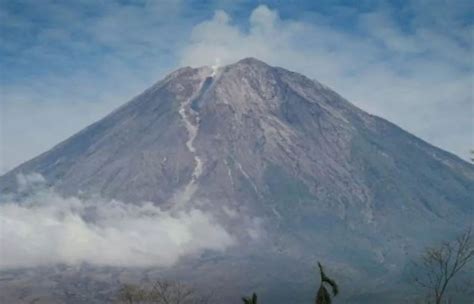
327,180
264,139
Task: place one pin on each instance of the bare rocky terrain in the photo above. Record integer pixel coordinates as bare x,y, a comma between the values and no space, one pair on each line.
248,141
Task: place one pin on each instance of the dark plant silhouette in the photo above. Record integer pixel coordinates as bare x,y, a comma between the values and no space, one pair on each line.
250,300
323,296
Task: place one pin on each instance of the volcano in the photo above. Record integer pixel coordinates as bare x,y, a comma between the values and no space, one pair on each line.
252,142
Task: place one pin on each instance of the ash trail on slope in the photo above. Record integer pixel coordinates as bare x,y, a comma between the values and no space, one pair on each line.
191,119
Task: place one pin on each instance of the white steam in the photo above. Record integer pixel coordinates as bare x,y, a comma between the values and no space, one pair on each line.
47,228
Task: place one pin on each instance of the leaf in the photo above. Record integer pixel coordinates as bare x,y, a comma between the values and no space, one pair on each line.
323,296
326,279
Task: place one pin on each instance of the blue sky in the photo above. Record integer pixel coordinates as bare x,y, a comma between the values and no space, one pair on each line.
65,64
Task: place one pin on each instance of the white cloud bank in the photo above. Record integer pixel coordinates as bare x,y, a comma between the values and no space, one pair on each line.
47,229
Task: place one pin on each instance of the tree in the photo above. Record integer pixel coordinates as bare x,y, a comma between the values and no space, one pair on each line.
439,265
169,292
161,292
250,300
131,294
323,296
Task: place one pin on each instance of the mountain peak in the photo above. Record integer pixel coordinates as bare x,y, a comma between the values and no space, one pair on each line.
251,61
257,141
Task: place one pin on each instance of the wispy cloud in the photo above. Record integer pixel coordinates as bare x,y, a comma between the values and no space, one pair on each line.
420,78
66,64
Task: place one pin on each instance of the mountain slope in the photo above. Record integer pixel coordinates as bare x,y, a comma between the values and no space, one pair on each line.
252,140
259,127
